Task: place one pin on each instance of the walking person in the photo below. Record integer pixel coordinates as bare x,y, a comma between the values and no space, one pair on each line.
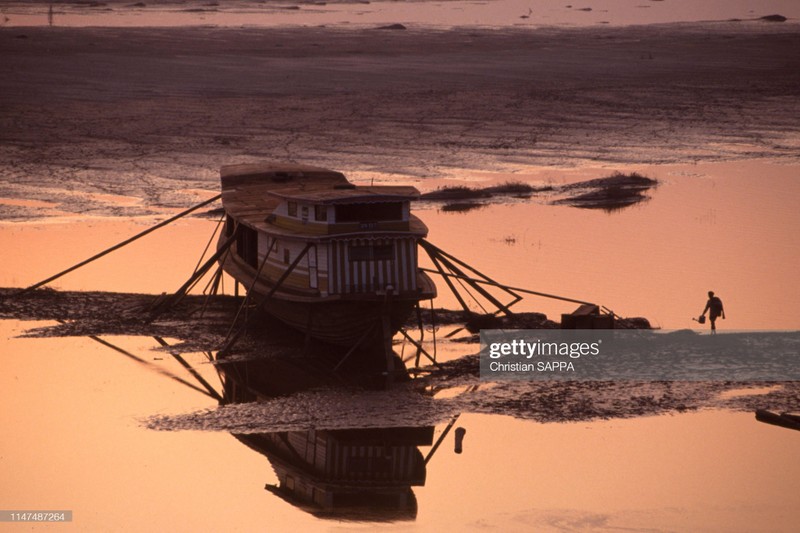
714,309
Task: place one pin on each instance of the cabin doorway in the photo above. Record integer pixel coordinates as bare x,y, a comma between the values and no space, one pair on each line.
247,245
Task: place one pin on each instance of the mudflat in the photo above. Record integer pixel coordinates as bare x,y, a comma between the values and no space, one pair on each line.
153,112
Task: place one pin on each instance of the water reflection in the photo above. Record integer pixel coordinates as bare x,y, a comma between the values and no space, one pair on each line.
355,474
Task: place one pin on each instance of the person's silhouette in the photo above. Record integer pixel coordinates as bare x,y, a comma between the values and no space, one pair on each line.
714,309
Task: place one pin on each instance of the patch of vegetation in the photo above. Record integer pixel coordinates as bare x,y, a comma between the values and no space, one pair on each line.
634,180
611,193
462,207
511,187
515,189
456,192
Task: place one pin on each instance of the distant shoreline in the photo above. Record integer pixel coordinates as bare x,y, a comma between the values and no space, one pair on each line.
494,14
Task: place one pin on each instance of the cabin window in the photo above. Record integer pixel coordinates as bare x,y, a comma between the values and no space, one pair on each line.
305,212
381,252
286,256
292,209
321,213
369,212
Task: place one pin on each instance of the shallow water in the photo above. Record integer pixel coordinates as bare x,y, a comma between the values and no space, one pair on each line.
727,227
76,410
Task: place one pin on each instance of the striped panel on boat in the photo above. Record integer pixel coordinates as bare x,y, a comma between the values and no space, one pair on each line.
370,461
347,275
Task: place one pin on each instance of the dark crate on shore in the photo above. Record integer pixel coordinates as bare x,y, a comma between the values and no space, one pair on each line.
587,316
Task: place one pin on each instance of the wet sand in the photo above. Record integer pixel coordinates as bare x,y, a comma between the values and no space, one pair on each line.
125,121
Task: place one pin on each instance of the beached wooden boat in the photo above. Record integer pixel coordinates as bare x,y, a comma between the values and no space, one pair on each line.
329,258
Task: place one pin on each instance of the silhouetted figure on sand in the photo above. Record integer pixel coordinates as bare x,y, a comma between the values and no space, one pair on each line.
714,310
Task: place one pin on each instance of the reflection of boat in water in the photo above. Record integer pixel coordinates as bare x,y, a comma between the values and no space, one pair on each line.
324,256
365,474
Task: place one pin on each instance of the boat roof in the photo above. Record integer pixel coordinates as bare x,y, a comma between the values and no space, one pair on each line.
288,174
257,188
247,188
350,195
252,191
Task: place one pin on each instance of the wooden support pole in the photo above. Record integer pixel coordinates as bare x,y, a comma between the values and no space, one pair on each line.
250,290
210,240
419,347
115,247
421,327
386,337
473,283
213,284
446,279
230,341
211,289
175,298
470,267
434,252
309,325
433,328
487,279
517,289
355,346
285,275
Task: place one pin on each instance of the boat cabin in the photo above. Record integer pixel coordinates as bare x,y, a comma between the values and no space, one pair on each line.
350,240
340,210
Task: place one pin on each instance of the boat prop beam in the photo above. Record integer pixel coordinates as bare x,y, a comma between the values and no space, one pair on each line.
439,257
470,281
366,334
483,279
250,290
163,304
115,247
231,340
439,270
518,289
419,347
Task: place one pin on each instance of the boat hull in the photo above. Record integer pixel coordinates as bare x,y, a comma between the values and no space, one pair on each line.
343,323
369,319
